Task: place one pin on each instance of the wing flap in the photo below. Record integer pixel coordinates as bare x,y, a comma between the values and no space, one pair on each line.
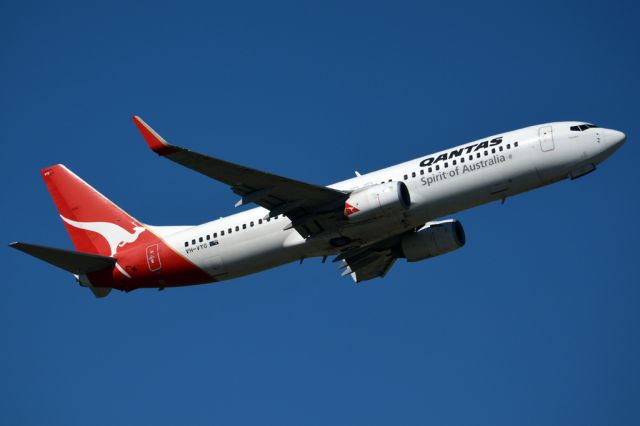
367,264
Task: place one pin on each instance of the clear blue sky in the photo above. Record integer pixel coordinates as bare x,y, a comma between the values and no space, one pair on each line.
534,322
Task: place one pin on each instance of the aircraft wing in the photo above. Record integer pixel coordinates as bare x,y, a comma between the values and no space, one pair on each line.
301,202
364,264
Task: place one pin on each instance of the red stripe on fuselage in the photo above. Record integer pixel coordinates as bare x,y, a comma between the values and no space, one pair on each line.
170,269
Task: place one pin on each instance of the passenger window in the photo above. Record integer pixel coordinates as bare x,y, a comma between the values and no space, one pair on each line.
200,239
500,148
186,243
251,224
486,153
437,167
406,177
208,237
430,169
478,155
515,144
493,150
454,162
229,230
215,235
471,158
259,221
413,174
508,146
237,228
446,164
462,159
244,226
421,171
193,242
221,233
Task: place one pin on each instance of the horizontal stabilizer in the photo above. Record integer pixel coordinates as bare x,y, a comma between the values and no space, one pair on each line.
69,260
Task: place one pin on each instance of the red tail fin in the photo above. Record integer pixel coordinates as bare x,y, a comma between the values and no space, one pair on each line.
98,226
95,224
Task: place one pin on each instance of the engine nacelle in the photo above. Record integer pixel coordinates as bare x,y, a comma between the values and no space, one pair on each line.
376,201
434,239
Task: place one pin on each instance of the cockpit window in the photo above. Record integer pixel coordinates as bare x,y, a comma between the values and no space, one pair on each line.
582,127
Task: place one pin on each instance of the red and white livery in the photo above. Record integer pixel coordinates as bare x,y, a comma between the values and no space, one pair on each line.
367,222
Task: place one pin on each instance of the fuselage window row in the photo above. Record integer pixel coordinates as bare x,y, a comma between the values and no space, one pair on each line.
229,231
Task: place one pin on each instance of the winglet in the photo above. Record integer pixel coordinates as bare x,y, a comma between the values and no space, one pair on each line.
153,139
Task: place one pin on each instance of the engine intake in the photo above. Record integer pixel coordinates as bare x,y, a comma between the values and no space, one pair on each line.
432,240
377,200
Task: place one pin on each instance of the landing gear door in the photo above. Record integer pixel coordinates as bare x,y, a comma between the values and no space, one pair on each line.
215,265
546,138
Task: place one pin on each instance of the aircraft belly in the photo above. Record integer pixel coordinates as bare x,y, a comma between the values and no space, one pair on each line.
377,229
257,254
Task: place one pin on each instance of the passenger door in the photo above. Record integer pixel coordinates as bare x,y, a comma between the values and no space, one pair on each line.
546,138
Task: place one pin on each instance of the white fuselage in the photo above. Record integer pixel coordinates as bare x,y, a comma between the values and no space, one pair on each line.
439,184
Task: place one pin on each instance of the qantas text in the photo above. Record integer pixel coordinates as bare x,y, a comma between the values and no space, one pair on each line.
461,151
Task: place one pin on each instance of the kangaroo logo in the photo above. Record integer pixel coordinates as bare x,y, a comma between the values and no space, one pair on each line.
115,235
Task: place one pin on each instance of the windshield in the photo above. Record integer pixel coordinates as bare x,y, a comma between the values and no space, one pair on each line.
582,127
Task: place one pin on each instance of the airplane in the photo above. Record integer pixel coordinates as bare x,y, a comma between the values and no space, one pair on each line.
366,222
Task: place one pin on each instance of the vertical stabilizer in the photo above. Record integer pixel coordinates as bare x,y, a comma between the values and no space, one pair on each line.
94,223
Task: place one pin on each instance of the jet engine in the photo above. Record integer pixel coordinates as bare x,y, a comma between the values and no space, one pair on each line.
434,239
376,201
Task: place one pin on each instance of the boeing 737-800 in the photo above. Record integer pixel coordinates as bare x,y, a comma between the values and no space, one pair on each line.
367,222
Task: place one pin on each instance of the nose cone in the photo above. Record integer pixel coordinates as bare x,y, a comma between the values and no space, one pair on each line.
609,142
614,139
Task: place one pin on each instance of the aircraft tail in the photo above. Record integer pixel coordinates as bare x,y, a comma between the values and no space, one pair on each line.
114,250
94,223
